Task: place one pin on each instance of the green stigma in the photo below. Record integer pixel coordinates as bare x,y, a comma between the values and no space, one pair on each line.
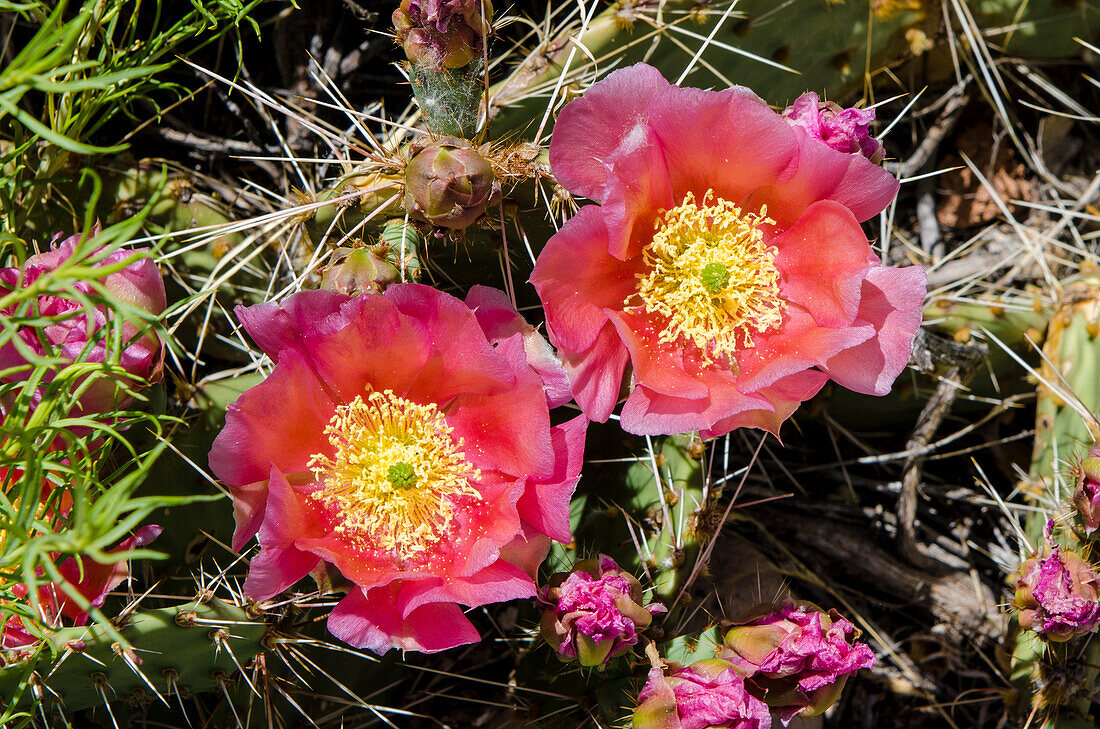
402,475
714,276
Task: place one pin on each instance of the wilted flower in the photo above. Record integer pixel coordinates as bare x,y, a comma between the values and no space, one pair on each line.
402,451
845,130
443,33
448,184
1057,595
75,333
594,613
361,271
796,657
90,578
706,694
1086,497
725,263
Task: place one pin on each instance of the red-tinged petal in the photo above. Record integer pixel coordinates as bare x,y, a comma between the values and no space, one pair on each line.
278,326
372,621
94,580
659,366
784,396
652,413
248,511
279,422
826,238
729,141
280,563
597,375
610,116
576,279
638,187
526,552
545,504
891,302
799,343
499,582
821,173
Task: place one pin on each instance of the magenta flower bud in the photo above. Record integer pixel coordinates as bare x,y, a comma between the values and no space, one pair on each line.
448,184
594,613
797,657
442,34
845,130
1086,497
708,693
1057,595
75,334
361,271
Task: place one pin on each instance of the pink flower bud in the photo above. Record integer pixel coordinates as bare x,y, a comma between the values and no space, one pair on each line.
75,332
1057,595
797,657
361,271
448,184
594,613
443,34
1086,498
708,693
845,130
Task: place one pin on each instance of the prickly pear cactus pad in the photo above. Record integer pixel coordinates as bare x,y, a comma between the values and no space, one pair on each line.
449,363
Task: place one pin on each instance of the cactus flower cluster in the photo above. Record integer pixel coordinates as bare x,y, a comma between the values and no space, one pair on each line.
1056,595
708,693
595,612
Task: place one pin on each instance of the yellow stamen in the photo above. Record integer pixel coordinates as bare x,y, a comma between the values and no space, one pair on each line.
396,474
711,277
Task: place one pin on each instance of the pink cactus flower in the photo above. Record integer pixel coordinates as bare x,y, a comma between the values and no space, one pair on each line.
796,657
75,334
845,130
724,265
91,579
594,613
1057,595
401,449
1086,497
707,694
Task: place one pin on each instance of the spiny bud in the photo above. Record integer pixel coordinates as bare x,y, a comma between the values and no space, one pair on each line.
440,34
795,656
448,184
594,613
845,130
361,271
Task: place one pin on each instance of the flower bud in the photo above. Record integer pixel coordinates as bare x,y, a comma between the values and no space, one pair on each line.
75,333
361,271
594,613
448,184
1057,595
708,693
845,130
1086,498
443,34
796,656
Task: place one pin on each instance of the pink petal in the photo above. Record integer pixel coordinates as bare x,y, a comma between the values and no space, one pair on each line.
891,301
597,375
823,259
577,279
610,115
278,326
248,511
526,552
94,580
371,621
499,582
729,141
278,422
784,397
638,188
821,173
545,504
652,413
280,563
658,366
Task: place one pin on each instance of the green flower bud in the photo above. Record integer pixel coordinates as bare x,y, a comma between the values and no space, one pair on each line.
448,184
360,272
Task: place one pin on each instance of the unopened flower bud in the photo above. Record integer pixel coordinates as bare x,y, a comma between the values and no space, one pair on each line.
845,130
448,184
708,693
362,271
443,34
1056,595
594,613
796,657
1086,497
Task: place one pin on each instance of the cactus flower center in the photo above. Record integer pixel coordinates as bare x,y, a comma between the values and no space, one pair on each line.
396,474
710,277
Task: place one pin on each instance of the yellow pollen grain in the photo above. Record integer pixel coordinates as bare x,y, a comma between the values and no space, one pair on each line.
711,277
374,439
